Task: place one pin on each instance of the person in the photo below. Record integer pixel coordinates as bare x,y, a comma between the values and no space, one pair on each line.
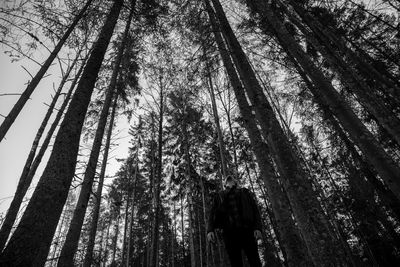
236,213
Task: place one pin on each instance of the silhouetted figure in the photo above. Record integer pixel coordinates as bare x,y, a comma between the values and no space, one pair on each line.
235,212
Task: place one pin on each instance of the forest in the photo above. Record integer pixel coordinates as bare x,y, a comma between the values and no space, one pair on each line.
299,100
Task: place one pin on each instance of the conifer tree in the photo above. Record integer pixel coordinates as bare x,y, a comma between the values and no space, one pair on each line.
31,241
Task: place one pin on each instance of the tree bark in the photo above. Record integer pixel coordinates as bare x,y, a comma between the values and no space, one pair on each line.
31,240
24,182
9,120
38,159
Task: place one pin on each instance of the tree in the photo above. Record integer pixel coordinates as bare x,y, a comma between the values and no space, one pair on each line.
293,176
26,176
71,242
290,237
31,240
376,156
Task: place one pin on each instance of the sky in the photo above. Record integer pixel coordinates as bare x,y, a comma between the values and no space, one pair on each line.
15,147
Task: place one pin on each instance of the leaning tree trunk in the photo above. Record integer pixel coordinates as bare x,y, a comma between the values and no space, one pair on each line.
26,178
386,196
95,216
349,77
8,121
72,239
24,183
154,257
43,148
57,240
325,94
386,80
31,240
365,211
293,246
322,243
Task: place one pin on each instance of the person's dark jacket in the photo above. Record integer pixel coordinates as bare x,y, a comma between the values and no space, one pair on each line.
250,215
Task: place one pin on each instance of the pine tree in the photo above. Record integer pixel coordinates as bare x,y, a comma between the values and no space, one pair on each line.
71,242
31,240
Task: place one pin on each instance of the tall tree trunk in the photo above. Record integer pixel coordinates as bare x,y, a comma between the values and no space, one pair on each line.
151,188
203,200
323,245
95,216
115,238
183,231
229,120
387,196
387,81
194,256
24,183
101,240
130,238
43,148
156,220
365,94
174,236
31,240
290,237
270,251
101,257
222,149
72,239
57,239
325,94
199,234
8,121
366,212
193,252
126,222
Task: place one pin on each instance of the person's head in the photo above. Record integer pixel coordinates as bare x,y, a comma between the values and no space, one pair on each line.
230,182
